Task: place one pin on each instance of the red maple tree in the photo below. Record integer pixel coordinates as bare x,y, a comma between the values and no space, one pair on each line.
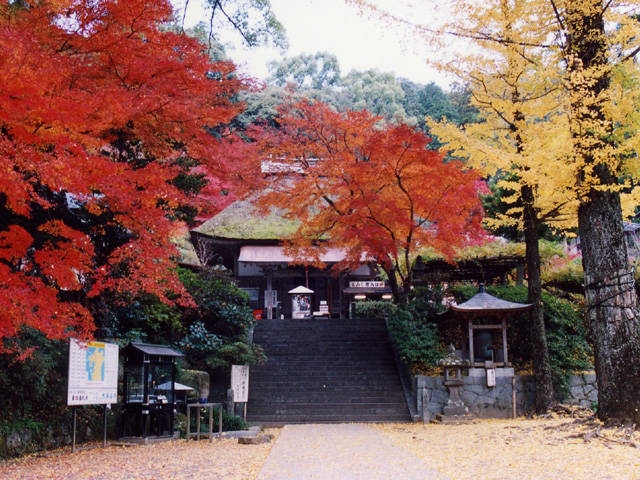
105,142
371,187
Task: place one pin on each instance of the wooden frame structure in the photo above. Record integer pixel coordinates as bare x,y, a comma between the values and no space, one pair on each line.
486,313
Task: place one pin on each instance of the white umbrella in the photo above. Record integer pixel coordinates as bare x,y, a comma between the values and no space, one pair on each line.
301,289
178,387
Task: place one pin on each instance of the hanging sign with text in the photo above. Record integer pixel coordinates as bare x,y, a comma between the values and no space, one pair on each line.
367,284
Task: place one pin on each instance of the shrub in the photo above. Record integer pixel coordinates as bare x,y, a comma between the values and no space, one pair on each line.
373,309
33,394
416,340
230,423
567,338
414,333
220,326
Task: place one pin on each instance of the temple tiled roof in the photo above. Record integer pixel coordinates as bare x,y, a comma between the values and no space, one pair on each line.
484,303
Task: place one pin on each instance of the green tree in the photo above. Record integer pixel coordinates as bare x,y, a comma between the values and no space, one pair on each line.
318,71
422,101
379,93
221,325
460,98
317,77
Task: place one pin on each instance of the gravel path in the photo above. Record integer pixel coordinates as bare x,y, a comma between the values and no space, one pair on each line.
341,452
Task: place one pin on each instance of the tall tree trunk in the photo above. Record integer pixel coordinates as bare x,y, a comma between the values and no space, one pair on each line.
544,398
612,304
612,308
393,283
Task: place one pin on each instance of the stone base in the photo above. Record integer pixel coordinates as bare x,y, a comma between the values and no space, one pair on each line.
148,440
455,410
256,440
453,419
500,372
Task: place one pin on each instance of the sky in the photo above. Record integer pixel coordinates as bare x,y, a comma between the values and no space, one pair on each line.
358,42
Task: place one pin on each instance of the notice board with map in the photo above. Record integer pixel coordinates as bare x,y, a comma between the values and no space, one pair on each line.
93,373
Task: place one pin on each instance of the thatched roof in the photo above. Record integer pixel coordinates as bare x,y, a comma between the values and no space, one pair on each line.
242,221
480,269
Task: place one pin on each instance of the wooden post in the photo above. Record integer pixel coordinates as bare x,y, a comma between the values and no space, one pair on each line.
211,422
267,301
104,426
504,341
513,397
471,352
73,445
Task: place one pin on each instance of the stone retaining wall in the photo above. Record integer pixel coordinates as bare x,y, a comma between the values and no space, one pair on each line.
495,402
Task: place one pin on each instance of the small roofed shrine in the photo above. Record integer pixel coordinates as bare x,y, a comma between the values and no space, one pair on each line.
149,395
486,328
300,302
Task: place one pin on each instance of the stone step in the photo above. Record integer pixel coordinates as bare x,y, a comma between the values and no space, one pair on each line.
279,421
282,384
337,409
325,371
333,400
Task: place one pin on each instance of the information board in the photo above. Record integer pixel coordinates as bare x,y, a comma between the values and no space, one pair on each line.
93,373
240,383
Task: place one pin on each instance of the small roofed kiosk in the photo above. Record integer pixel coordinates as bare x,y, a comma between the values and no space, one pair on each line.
300,302
486,318
149,395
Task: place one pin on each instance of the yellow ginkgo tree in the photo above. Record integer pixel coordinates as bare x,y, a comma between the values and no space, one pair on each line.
557,86
521,139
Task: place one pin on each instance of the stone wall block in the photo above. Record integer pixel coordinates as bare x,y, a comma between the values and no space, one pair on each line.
496,402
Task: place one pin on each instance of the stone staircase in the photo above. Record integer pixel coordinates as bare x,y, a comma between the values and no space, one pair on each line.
325,370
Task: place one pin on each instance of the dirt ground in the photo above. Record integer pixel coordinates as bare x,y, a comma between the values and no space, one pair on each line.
555,447
217,460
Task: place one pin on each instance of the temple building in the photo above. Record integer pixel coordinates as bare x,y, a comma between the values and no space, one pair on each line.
250,247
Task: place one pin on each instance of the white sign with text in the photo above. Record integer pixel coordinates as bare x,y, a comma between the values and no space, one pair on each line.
240,383
93,373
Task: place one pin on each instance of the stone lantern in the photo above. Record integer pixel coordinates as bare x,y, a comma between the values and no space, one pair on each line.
453,365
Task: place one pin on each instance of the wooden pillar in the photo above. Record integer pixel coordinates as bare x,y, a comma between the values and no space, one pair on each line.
269,295
504,341
471,352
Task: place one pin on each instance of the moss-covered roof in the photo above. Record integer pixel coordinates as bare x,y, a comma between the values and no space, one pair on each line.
242,221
